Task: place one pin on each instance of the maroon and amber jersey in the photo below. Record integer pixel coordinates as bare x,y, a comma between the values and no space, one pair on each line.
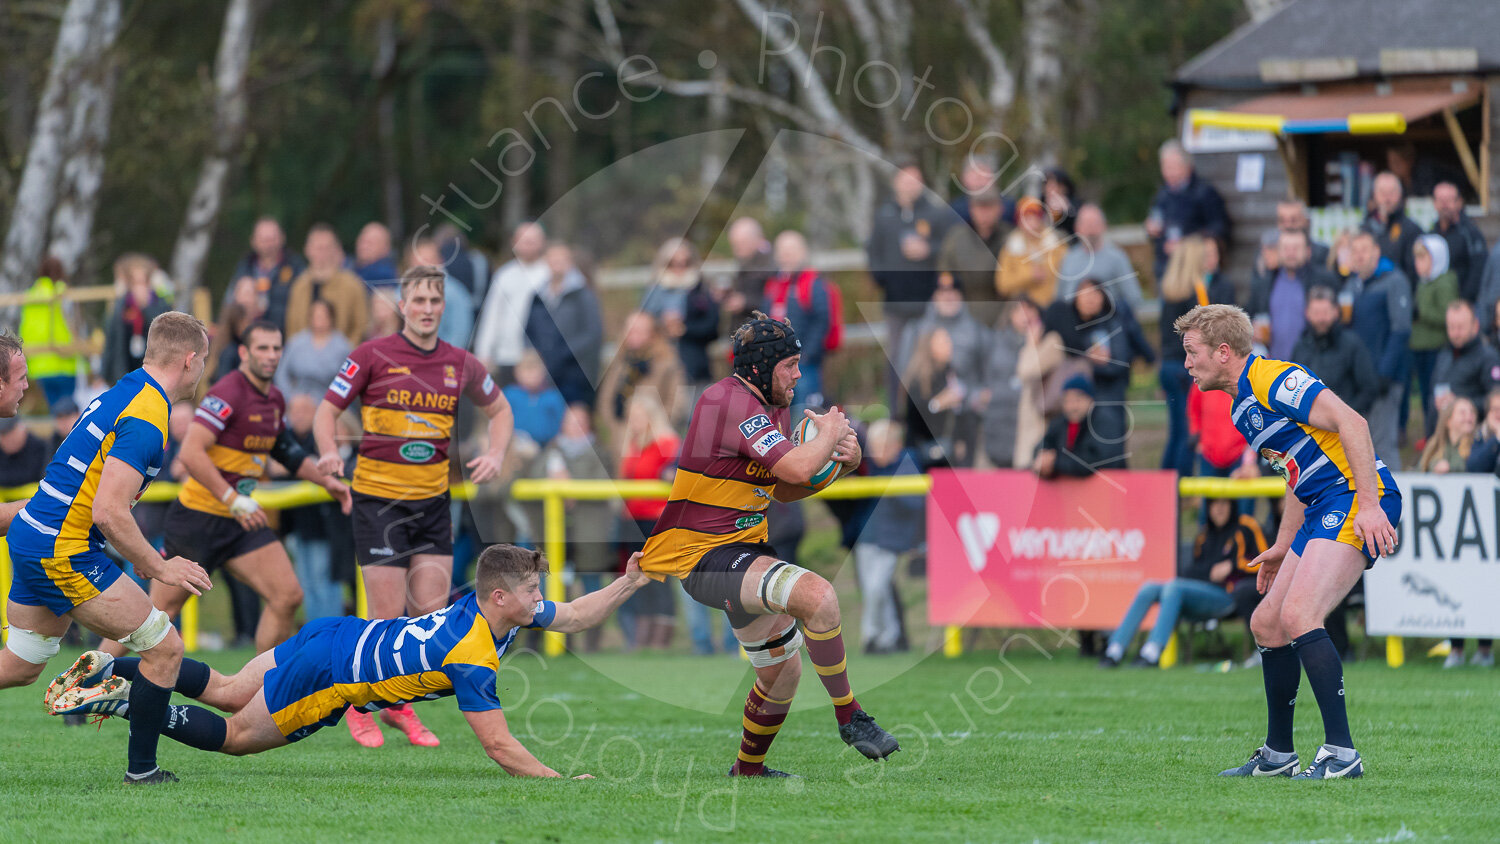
409,401
245,423
723,483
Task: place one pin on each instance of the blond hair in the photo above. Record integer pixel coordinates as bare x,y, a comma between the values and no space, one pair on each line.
1184,271
1218,325
1439,443
174,334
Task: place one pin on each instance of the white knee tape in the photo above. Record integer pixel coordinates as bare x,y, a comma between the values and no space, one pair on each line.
150,633
779,648
776,585
32,646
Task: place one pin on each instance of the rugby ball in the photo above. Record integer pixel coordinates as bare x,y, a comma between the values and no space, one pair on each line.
806,431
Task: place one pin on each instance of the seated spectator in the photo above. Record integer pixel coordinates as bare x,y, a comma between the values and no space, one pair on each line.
1484,457
674,274
941,423
1466,246
1081,440
970,254
1092,255
645,362
1011,399
1437,286
1206,589
23,455
1453,439
1098,340
538,408
803,297
648,451
1335,354
889,527
566,327
1467,366
125,331
374,262
1032,256
1192,279
1448,450
1386,221
270,268
326,278
313,356
1184,205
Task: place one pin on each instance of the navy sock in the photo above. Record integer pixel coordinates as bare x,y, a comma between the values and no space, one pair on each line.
1325,673
192,678
195,726
1282,674
148,712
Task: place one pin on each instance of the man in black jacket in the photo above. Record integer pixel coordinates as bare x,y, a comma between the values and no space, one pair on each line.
1466,248
902,253
1335,355
1080,440
1184,205
1467,366
1393,230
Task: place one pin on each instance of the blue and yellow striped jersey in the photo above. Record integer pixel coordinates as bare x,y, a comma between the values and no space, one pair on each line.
1275,401
129,423
387,662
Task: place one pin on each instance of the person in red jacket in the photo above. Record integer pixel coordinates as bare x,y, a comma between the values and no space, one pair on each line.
648,451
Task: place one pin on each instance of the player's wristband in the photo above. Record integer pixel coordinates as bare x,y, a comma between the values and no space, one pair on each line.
228,495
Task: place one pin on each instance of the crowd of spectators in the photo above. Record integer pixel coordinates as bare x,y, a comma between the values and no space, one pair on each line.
1009,329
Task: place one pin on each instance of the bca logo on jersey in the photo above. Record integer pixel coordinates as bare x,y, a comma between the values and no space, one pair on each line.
1333,519
1256,419
217,406
754,425
349,369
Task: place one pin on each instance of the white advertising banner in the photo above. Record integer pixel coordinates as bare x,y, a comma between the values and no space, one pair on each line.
1444,579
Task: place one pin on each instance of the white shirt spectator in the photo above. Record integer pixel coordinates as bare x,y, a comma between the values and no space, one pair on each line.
501,335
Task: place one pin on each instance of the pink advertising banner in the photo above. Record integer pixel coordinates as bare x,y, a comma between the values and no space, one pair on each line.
1008,549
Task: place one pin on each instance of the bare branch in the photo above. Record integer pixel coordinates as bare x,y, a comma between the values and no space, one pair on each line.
1002,88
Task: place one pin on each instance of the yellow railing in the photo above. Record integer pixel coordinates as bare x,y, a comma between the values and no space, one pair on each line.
554,494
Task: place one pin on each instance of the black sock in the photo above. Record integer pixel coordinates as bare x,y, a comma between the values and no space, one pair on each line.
1282,674
1325,673
192,678
148,712
195,726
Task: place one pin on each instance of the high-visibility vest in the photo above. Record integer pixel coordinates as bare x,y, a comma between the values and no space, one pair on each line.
43,325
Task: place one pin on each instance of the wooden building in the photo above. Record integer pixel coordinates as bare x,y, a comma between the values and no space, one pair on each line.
1317,98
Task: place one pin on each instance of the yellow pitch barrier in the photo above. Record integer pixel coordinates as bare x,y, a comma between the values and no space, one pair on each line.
554,495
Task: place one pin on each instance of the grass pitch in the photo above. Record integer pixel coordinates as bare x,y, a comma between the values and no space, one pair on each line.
1028,747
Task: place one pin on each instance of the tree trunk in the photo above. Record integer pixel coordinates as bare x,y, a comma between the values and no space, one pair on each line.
516,199
193,240
384,71
27,235
563,68
1042,34
88,132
